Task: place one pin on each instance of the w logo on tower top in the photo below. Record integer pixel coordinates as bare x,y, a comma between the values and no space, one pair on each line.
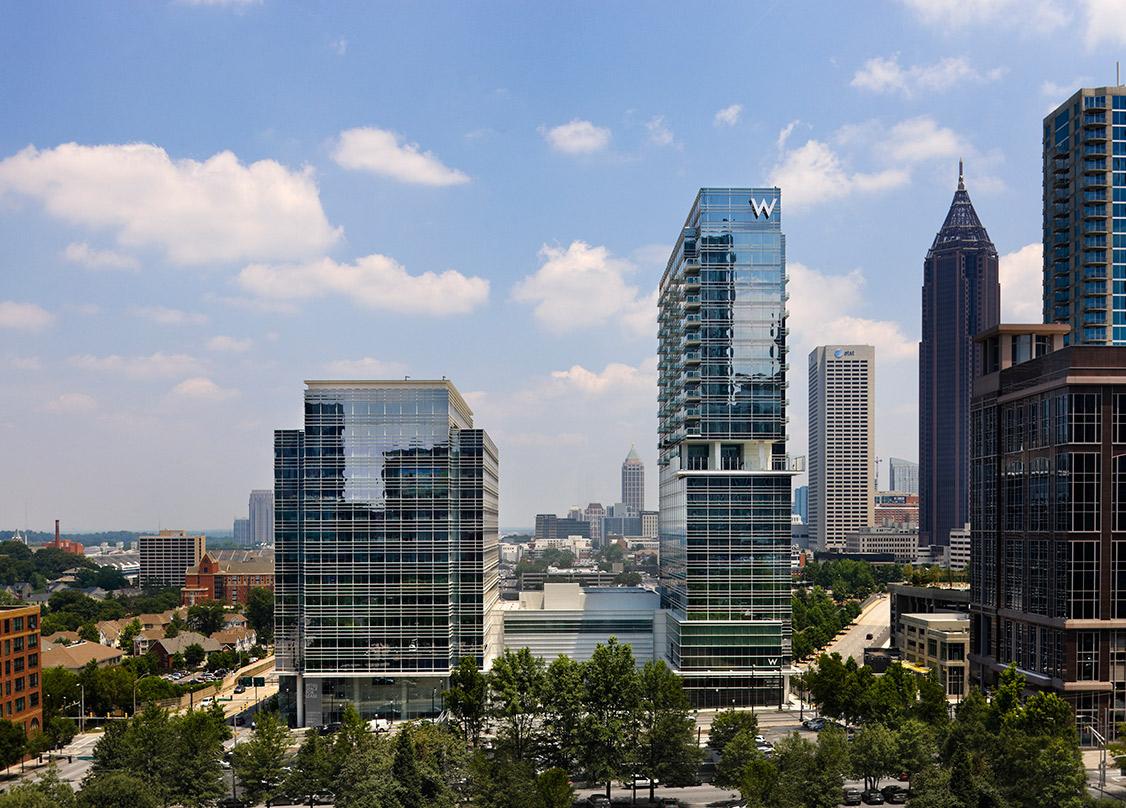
762,208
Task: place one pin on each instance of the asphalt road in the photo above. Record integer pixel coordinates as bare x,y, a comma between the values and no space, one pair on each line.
874,620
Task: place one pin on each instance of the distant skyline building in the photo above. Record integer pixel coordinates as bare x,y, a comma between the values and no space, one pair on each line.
387,554
903,476
633,481
593,514
961,297
262,518
550,526
241,533
725,478
801,503
1084,151
842,443
165,557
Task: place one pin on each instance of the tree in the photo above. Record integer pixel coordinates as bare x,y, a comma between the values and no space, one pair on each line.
918,747
738,754
891,696
832,762
312,769
666,744
874,754
607,730
198,776
796,760
206,617
516,684
61,730
194,655
932,708
46,791
128,634
404,771
563,707
38,743
554,789
760,779
260,613
727,724
258,762
931,789
116,789
352,738
13,742
468,698
60,687
504,782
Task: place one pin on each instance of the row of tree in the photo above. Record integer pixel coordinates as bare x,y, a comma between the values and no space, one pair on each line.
816,620
596,720
1018,749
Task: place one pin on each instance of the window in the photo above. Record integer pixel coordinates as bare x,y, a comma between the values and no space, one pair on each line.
932,648
1085,418
731,457
1083,580
1087,656
697,457
1014,496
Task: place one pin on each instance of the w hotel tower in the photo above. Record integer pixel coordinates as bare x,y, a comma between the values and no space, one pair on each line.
386,526
724,474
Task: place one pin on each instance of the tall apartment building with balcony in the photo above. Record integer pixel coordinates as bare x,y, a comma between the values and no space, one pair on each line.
1085,216
725,477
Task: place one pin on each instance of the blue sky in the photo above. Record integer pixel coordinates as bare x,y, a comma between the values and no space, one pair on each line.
202,204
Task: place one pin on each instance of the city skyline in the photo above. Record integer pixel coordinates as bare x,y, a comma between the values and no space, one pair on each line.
174,322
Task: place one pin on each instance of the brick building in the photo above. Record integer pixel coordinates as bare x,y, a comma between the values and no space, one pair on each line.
228,581
20,677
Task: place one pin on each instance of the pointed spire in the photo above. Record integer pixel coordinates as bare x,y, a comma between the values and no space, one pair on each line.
962,227
632,457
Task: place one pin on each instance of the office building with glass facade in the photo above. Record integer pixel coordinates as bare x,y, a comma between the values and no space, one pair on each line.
725,478
1085,216
961,298
633,482
387,549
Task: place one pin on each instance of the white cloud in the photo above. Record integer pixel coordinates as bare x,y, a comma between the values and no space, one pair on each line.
583,286
379,151
1022,284
823,310
577,137
784,134
24,316
155,366
83,253
218,210
229,344
1034,16
659,133
367,367
1106,22
162,315
200,388
813,173
1058,91
615,378
71,403
374,281
921,138
728,116
339,46
886,75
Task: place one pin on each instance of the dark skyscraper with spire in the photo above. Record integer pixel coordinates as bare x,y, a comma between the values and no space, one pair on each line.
961,297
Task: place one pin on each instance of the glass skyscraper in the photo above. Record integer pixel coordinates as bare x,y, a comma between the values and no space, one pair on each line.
387,550
1085,216
724,474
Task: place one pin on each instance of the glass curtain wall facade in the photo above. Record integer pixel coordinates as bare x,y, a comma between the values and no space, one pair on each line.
724,474
1085,216
387,549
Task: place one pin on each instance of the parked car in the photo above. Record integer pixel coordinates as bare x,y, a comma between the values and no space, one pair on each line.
597,801
669,802
240,688
872,797
206,701
894,795
815,724
851,796
639,781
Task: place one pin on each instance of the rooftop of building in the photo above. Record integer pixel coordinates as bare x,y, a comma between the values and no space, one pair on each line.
962,227
376,384
74,657
256,566
935,618
1108,89
575,597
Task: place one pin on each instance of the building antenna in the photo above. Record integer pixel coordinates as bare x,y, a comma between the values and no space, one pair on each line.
1117,74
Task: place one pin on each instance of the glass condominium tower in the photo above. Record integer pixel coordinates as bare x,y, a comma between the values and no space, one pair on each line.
386,549
724,474
1085,216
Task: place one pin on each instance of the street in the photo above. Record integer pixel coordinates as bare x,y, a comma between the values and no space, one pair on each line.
874,620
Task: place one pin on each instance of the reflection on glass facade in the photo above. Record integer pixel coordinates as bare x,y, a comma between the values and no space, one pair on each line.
724,474
386,526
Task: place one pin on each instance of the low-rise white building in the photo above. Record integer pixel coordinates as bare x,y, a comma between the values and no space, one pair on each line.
958,554
571,620
902,542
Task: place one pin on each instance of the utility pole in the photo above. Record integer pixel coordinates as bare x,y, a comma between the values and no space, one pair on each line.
82,708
